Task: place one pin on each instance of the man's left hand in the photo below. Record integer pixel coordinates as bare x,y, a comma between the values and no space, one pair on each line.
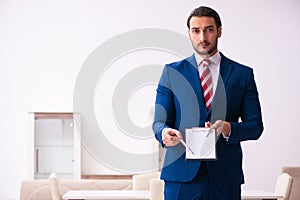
221,126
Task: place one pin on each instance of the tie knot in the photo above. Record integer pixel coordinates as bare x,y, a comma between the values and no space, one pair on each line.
205,62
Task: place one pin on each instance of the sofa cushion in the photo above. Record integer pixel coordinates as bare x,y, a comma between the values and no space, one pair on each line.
35,190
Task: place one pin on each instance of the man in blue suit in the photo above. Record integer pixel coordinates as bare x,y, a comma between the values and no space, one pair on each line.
232,108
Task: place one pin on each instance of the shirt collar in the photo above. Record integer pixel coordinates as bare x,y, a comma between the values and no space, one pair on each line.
215,59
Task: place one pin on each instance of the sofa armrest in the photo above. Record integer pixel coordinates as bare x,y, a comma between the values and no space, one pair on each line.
157,189
142,181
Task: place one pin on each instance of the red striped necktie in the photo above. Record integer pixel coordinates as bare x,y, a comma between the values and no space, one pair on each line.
206,84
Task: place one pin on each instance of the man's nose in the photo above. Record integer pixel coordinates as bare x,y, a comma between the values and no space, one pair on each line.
201,36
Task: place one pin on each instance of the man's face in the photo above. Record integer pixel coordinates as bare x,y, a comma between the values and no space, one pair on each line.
204,35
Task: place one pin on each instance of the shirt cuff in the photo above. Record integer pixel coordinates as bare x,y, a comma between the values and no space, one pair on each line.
226,136
163,133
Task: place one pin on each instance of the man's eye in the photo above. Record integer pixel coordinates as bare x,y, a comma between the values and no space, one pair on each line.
196,31
209,30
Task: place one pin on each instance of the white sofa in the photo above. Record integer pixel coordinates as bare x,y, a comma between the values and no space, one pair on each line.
40,189
53,188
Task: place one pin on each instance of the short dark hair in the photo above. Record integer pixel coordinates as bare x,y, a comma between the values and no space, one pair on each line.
203,11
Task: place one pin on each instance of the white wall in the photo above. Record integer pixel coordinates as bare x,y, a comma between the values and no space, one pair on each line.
44,43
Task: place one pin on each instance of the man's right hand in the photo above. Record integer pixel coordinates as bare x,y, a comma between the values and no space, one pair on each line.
171,137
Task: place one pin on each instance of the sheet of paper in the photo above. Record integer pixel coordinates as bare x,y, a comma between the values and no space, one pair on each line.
201,143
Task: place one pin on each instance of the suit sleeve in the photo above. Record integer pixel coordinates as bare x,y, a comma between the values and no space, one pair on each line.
251,126
164,106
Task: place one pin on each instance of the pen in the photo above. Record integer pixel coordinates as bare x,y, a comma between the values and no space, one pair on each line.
209,132
184,144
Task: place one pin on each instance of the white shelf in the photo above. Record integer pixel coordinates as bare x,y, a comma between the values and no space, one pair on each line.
55,145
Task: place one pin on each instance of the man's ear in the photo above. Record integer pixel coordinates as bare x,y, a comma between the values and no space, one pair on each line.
219,31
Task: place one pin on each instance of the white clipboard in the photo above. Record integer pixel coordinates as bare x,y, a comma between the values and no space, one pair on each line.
201,143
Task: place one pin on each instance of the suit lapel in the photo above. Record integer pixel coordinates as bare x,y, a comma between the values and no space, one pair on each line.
225,69
219,101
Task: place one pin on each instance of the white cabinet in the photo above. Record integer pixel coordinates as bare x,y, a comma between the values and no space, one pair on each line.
56,144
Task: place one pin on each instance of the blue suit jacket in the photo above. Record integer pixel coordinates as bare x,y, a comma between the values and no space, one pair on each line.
180,105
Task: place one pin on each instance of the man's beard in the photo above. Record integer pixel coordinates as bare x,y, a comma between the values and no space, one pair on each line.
208,52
